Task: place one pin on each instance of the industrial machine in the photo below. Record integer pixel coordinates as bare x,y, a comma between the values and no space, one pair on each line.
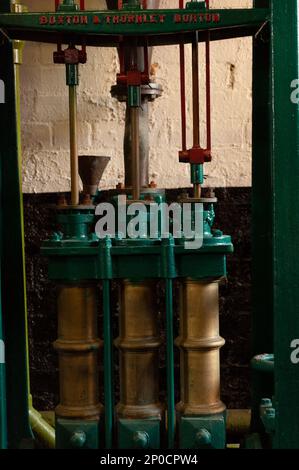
84,264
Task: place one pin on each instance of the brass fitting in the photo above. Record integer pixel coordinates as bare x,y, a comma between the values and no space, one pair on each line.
18,46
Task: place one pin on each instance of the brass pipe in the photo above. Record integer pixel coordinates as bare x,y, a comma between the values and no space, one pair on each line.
134,118
74,145
197,191
199,344
43,431
78,349
138,346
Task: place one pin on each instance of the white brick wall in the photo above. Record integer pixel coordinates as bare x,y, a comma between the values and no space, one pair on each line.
101,119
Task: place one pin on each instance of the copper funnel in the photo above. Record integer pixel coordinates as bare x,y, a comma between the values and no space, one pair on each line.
91,170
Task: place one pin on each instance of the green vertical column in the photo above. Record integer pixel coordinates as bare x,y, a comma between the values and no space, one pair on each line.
262,218
285,53
106,270
12,262
3,419
169,274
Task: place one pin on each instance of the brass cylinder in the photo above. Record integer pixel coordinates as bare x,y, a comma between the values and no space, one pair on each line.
199,344
78,349
138,345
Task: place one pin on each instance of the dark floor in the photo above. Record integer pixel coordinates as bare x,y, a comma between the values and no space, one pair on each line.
233,217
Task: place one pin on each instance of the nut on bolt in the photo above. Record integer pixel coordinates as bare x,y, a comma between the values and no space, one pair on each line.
203,439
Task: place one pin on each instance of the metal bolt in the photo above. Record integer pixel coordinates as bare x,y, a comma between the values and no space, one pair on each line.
141,440
266,402
56,236
203,438
78,439
152,185
217,233
270,412
86,200
210,193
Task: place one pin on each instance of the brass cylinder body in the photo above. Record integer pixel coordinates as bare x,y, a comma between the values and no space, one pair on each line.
78,349
138,345
200,344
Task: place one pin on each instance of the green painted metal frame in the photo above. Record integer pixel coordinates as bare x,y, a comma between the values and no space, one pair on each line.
12,260
262,220
229,18
275,222
3,414
285,168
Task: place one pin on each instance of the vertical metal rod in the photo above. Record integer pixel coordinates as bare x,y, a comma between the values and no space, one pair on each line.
183,88
134,111
146,59
183,95
197,190
74,145
195,91
170,365
208,91
108,374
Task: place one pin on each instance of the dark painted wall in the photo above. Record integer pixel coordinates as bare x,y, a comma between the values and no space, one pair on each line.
233,217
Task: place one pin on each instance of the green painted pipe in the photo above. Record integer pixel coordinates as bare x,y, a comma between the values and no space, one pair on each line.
107,365
170,365
3,417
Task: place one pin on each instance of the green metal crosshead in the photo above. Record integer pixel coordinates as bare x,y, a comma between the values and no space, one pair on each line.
274,27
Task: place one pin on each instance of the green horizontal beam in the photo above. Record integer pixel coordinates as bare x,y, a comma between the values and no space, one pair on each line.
151,22
194,265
